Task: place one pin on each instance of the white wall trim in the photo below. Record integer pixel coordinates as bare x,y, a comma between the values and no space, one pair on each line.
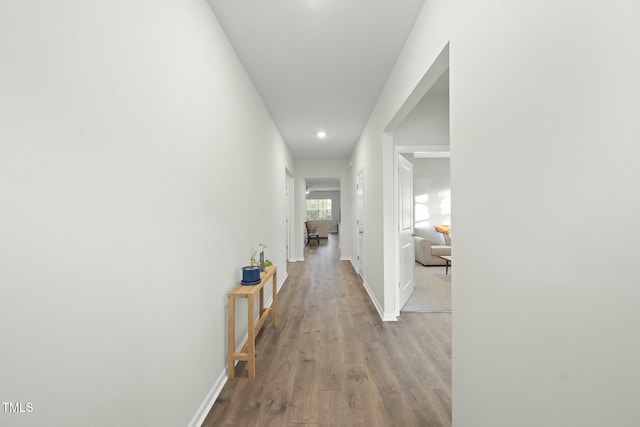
280,285
301,259
390,317
425,151
374,300
391,251
355,267
386,317
206,405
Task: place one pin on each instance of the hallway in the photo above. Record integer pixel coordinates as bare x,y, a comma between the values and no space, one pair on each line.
333,362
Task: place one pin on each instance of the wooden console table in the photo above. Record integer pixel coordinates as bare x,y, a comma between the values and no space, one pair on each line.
248,352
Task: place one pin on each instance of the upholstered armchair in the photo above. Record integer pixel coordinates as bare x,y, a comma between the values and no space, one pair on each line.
430,244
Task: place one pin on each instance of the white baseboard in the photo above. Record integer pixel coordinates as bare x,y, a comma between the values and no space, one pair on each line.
291,260
345,258
209,400
206,405
389,317
280,284
386,317
373,299
355,267
300,259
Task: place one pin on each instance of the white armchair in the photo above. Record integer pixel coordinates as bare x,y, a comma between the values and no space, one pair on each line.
430,244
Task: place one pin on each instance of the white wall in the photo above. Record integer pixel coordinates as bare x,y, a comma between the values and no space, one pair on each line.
544,134
427,124
129,182
547,120
432,191
327,168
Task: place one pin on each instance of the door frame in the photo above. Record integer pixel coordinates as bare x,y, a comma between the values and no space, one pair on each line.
397,151
360,223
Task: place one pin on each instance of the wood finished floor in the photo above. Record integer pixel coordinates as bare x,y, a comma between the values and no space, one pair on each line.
333,362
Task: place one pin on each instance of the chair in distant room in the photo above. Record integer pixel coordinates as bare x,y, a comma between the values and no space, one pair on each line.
312,233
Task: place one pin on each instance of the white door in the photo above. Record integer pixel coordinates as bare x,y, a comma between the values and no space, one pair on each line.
360,220
407,255
286,217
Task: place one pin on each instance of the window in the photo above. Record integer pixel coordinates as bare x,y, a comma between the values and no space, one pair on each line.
319,210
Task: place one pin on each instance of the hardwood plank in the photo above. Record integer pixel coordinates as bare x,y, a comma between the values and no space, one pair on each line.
333,409
364,403
397,409
303,389
331,363
274,397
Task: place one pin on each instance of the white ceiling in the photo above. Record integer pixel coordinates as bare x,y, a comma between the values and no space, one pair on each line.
318,64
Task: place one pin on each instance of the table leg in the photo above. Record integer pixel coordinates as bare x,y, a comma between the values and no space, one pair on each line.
251,343
231,342
446,268
261,301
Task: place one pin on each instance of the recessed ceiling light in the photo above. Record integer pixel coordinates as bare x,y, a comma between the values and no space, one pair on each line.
321,134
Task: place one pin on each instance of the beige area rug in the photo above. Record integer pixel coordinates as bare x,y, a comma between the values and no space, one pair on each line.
432,293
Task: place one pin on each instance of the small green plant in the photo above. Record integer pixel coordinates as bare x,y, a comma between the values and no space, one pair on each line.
262,263
254,261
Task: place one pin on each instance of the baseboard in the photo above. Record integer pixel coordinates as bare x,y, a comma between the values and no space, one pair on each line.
373,299
345,258
388,317
300,259
208,402
206,405
292,260
355,267
281,284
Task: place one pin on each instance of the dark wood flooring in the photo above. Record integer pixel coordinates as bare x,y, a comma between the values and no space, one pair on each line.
333,362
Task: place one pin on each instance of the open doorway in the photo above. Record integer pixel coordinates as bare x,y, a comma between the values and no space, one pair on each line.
430,234
322,208
425,242
419,130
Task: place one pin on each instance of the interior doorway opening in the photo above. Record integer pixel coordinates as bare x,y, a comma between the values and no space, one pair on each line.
322,206
420,128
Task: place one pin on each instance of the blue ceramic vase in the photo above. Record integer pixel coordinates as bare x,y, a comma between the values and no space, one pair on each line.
250,275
